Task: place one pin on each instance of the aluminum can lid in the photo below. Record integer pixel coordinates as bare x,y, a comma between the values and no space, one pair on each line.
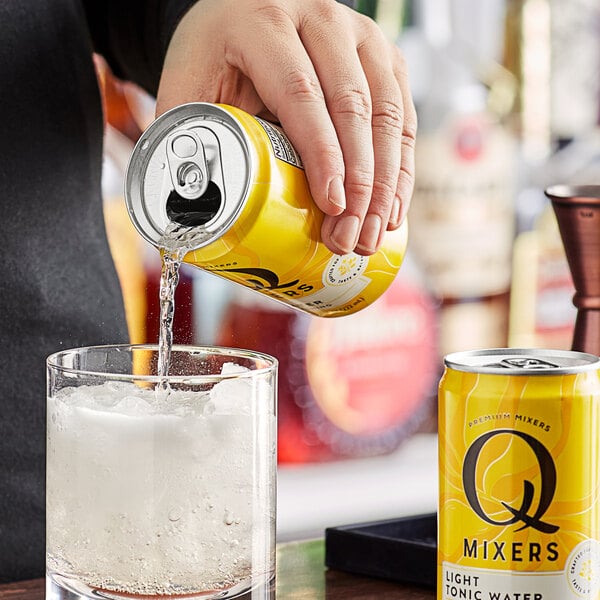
522,361
161,161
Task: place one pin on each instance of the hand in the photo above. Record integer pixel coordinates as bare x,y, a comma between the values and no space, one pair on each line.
333,82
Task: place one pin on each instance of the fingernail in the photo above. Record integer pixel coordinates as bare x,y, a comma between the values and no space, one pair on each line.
371,230
395,214
337,195
345,233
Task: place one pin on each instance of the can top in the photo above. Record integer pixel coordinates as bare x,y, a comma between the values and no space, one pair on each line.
522,361
192,162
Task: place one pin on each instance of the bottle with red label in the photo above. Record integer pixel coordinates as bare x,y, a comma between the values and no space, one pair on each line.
462,215
350,387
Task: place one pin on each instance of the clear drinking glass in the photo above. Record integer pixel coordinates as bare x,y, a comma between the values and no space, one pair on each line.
161,488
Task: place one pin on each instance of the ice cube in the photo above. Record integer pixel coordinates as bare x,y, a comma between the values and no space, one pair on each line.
233,369
232,396
134,406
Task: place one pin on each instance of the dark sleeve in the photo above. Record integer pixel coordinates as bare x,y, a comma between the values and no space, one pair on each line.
133,35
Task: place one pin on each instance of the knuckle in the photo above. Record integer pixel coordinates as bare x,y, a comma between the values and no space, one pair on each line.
384,188
389,116
360,185
409,133
408,152
354,102
326,11
315,32
371,39
367,26
271,13
301,86
318,20
407,174
407,177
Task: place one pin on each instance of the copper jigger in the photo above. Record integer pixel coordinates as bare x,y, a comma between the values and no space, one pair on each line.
577,209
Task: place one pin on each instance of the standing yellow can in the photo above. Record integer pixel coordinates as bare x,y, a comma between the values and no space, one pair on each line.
237,185
519,452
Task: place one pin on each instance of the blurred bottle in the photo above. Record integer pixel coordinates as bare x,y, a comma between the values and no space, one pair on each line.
575,68
462,216
128,110
552,48
126,246
527,55
542,314
351,387
125,243
542,310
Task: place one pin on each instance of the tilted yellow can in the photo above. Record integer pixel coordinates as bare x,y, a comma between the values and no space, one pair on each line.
238,182
519,461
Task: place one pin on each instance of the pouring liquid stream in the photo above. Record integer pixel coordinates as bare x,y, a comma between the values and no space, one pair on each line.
175,243
169,278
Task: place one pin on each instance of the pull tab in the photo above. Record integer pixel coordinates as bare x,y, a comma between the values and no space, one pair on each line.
187,164
526,362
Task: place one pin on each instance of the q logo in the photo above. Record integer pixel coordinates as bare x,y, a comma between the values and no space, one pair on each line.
522,514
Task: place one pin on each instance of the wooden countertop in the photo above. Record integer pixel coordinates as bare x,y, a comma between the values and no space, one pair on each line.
301,575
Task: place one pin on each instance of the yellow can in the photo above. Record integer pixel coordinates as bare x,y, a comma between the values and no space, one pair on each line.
237,183
519,462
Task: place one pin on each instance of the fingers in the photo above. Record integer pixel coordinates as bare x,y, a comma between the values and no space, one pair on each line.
337,87
347,98
387,126
406,180
258,56
286,79
366,91
197,68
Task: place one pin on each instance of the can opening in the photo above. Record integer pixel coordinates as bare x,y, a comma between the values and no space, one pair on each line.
197,211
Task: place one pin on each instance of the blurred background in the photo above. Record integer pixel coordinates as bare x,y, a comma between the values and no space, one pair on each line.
508,98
